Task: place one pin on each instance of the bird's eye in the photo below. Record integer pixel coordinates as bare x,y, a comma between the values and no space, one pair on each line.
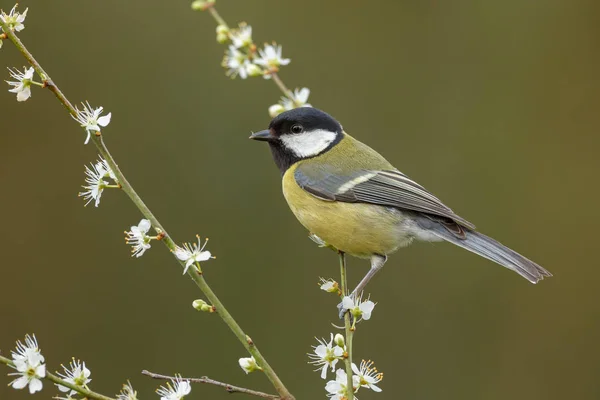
297,129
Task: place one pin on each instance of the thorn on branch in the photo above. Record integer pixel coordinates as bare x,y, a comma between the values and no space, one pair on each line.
205,379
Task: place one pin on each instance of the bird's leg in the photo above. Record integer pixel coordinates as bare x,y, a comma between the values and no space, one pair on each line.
377,262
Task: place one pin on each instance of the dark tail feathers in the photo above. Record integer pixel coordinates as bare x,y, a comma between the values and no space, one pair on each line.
487,247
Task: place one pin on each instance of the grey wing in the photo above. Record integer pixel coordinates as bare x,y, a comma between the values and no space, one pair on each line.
386,188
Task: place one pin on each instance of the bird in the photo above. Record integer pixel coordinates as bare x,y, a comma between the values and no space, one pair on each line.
352,199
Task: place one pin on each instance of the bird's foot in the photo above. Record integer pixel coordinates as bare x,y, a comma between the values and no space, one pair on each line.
343,310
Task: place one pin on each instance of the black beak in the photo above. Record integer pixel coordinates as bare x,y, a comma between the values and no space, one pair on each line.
264,136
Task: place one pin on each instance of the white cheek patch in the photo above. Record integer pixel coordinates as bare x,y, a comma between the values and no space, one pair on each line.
308,144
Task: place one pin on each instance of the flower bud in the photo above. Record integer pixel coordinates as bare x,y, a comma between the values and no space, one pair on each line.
339,340
254,70
222,34
222,38
248,364
201,305
201,5
275,110
222,29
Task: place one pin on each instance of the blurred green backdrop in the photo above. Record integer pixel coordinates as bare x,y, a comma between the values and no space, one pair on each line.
492,105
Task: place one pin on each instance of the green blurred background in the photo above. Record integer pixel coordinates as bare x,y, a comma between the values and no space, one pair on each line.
492,105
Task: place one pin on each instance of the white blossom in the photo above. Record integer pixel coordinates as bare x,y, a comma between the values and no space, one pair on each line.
325,355
357,307
24,351
89,118
108,172
329,285
29,364
241,37
299,99
248,364
192,253
338,389
138,239
177,391
271,59
95,183
367,375
22,85
127,393
77,374
236,62
14,19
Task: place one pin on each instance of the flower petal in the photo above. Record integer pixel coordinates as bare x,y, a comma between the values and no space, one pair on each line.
24,94
144,225
324,372
203,256
375,388
182,254
187,265
20,383
35,385
321,350
105,120
347,303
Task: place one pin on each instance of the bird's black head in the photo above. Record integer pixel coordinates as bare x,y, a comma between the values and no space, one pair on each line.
299,134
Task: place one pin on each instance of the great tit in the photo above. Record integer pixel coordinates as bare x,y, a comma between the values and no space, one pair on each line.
355,201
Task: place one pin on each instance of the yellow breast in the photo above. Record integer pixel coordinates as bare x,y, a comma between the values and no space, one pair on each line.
355,228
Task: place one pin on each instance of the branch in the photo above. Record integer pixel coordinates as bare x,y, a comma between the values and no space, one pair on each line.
135,198
349,329
53,378
229,388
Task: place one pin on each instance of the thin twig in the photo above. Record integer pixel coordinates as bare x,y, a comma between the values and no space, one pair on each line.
348,327
136,199
275,77
53,378
229,388
215,14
